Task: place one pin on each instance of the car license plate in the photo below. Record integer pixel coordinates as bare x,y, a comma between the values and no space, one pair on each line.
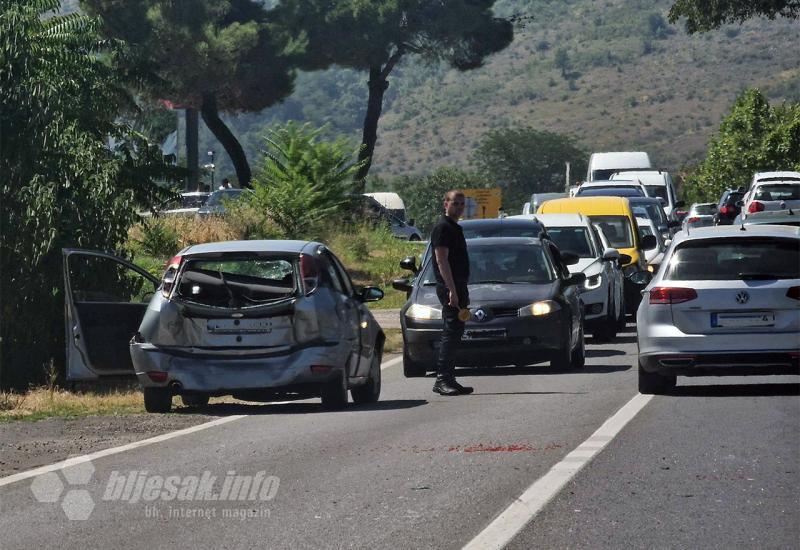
238,326
484,334
738,320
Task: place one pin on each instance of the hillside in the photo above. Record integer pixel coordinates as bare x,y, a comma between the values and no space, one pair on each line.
635,82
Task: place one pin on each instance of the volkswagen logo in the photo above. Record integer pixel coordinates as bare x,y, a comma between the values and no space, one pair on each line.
742,297
480,315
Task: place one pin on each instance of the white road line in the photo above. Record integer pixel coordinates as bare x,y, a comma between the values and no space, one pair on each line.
514,518
8,480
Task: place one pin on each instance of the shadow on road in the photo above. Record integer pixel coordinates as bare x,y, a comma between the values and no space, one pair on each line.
624,339
229,409
532,393
604,352
736,390
537,370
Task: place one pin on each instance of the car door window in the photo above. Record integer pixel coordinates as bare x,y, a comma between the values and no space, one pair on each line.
331,276
344,278
103,279
561,270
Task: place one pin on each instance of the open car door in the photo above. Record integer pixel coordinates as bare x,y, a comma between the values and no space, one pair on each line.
106,298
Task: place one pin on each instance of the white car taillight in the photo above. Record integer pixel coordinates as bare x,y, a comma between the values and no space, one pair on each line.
170,274
671,295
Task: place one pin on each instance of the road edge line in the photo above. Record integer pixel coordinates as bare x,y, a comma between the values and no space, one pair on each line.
27,474
519,513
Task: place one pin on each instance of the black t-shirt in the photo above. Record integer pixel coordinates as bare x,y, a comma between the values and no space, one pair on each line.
449,234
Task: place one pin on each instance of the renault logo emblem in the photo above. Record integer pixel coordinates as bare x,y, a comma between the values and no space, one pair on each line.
742,297
480,315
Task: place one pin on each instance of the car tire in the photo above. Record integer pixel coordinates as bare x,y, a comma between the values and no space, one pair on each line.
334,393
562,360
195,400
622,322
371,391
414,237
654,383
607,329
157,400
413,369
578,356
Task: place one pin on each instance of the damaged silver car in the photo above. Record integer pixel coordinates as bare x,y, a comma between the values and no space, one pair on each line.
258,320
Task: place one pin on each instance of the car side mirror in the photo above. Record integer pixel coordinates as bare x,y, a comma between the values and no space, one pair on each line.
371,294
640,278
409,263
624,259
679,204
576,279
649,242
610,255
403,285
569,258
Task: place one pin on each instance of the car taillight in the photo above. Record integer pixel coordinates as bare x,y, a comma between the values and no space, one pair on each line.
693,219
171,272
794,292
756,206
309,271
724,210
670,295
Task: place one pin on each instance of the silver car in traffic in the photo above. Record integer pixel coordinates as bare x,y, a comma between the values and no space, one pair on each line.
726,302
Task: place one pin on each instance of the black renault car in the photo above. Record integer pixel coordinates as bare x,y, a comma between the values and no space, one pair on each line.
524,307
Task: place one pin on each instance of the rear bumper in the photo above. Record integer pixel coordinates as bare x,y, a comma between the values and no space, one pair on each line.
528,340
225,374
723,363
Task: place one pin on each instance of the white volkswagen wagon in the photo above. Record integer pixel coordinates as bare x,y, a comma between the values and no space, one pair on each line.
725,302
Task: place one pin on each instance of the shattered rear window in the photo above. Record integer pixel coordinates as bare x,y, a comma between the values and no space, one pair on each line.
237,283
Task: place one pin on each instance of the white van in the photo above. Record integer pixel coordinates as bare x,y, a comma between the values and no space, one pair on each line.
603,165
658,184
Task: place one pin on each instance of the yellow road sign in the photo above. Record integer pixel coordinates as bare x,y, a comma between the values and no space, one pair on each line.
482,203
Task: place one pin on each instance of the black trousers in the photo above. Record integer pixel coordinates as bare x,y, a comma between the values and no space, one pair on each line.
452,329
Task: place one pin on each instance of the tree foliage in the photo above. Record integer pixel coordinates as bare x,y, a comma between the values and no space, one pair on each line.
754,137
63,184
214,56
304,182
523,161
376,36
705,15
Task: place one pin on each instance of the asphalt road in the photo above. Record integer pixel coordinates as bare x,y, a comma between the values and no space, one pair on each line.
715,465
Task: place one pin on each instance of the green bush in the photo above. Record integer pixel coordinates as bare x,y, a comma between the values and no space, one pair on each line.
157,239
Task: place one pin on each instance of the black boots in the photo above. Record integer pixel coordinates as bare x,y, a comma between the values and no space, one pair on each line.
450,387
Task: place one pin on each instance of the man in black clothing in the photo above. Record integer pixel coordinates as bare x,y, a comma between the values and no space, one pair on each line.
451,266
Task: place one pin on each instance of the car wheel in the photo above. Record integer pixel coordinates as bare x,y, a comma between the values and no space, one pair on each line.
334,393
413,369
371,391
563,357
578,357
414,237
157,400
195,400
621,321
607,330
654,383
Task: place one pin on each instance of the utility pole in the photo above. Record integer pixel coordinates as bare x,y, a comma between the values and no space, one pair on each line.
566,184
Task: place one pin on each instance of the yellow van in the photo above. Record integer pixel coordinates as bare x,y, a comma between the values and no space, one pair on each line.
614,216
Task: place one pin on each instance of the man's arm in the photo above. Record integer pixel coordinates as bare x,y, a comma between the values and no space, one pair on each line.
442,255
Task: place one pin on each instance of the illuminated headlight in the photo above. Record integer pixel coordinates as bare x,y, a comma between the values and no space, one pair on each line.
423,313
651,268
593,282
545,307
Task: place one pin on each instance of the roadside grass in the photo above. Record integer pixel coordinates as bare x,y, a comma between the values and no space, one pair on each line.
394,340
44,402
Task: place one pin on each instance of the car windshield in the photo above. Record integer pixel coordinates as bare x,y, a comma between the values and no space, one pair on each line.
703,209
502,230
503,264
237,283
735,258
652,211
732,198
610,191
657,191
192,201
219,197
778,192
572,239
617,230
